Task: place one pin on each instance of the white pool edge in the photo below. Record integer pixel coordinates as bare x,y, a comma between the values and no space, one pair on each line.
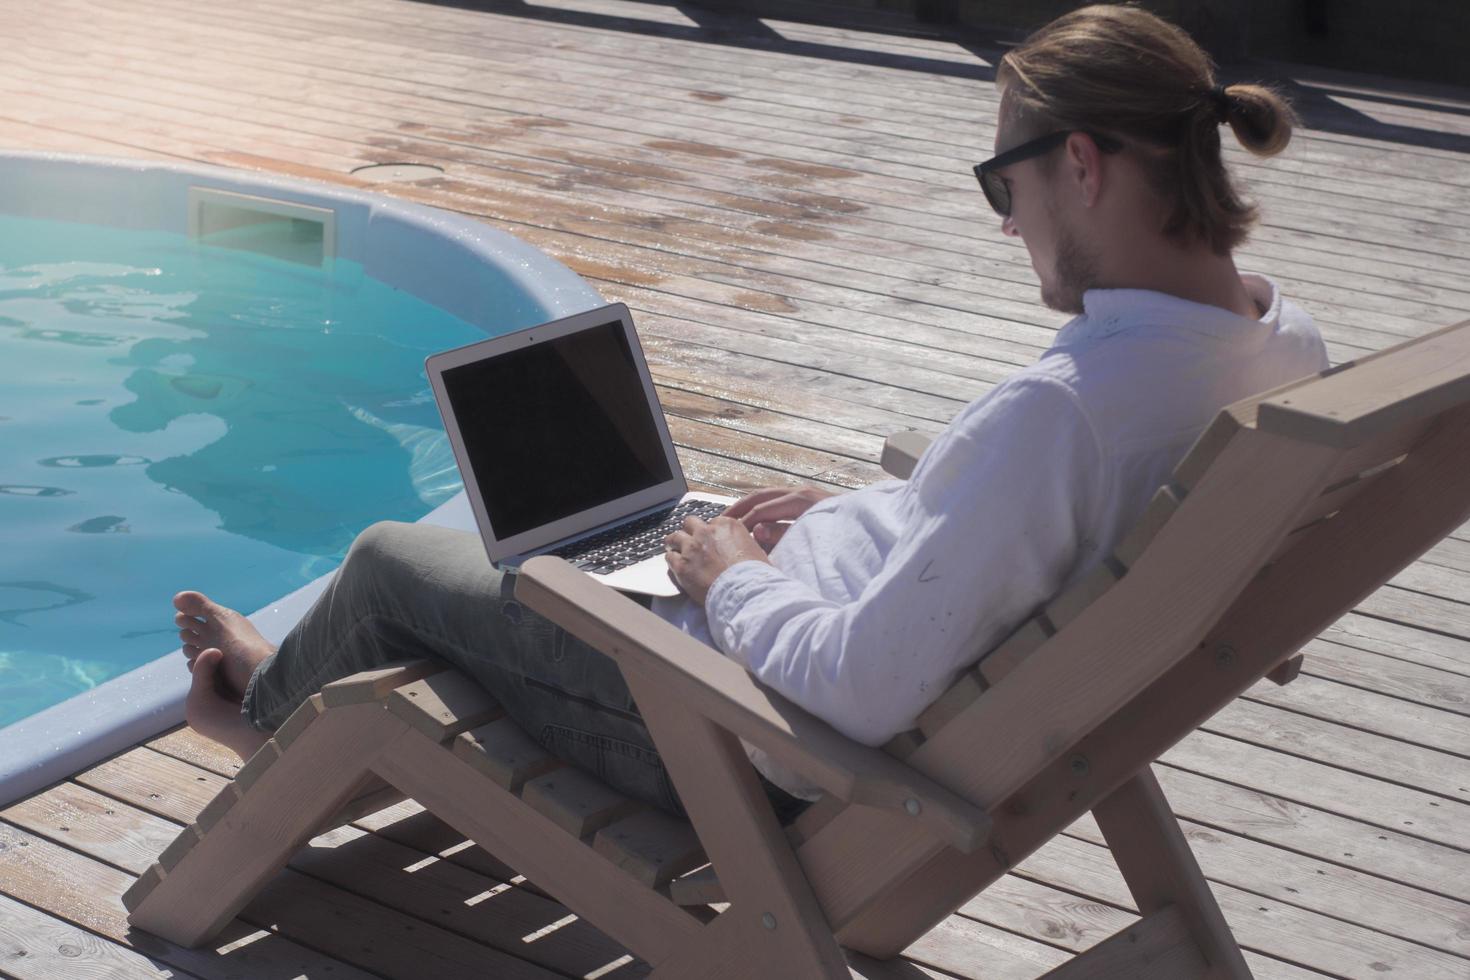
61,740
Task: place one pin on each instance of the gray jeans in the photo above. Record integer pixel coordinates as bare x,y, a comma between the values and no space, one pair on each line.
411,590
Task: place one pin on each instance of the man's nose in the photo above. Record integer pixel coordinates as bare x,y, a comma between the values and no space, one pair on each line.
1008,226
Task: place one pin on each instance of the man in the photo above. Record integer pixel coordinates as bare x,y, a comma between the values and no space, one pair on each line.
865,606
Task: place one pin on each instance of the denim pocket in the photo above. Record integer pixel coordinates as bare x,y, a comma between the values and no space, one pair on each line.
631,769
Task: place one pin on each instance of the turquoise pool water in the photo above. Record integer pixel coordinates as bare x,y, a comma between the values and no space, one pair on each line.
180,416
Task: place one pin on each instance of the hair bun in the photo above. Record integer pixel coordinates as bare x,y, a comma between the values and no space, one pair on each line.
1260,118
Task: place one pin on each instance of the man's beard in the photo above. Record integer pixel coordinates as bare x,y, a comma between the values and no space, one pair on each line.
1075,272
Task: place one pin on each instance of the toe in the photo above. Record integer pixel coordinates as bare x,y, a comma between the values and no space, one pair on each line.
195,604
189,636
185,621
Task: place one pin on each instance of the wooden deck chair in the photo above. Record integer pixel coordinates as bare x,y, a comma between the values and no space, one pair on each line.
1290,509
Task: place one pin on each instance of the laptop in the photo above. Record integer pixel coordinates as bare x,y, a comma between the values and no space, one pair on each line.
564,449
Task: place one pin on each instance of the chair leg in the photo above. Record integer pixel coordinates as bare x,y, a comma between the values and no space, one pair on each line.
1160,869
240,842
774,926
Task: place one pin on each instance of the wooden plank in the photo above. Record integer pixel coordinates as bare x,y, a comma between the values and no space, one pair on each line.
958,696
700,887
651,846
1289,880
901,453
1266,818
75,888
263,759
578,803
503,751
1165,502
34,946
443,704
1369,711
158,784
1287,672
1402,642
1420,379
1156,948
296,724
1336,744
376,684
1364,798
185,743
1276,926
1026,640
1442,690
1070,604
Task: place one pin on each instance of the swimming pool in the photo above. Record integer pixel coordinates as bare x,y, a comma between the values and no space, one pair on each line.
209,380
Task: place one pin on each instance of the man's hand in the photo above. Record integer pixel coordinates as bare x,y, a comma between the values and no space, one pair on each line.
767,513
699,552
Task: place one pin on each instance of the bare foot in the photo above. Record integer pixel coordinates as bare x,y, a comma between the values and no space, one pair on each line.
214,715
204,623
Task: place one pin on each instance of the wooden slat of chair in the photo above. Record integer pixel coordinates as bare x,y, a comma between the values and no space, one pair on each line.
504,753
1026,640
443,704
966,688
701,887
1382,391
1165,502
578,803
374,685
296,724
901,452
651,846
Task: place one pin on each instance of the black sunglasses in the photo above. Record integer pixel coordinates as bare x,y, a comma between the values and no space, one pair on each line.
994,185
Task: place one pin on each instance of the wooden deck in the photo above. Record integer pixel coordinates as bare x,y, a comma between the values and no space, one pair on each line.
789,210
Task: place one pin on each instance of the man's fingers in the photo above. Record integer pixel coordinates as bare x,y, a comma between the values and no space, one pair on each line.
743,505
785,508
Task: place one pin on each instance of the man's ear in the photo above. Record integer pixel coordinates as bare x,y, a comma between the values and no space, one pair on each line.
1084,167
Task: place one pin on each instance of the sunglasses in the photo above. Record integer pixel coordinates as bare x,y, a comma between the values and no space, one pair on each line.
998,192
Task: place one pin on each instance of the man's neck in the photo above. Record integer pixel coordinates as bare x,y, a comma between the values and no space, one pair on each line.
1196,274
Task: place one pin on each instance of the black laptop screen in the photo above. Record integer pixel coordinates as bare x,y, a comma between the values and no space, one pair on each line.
556,428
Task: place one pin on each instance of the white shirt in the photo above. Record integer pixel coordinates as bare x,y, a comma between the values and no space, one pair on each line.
875,600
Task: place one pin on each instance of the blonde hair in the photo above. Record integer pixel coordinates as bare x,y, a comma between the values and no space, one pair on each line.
1123,71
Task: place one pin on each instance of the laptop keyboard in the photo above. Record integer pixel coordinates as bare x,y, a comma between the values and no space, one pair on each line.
627,544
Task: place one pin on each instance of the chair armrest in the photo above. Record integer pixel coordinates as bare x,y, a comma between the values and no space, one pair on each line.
901,452
722,691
